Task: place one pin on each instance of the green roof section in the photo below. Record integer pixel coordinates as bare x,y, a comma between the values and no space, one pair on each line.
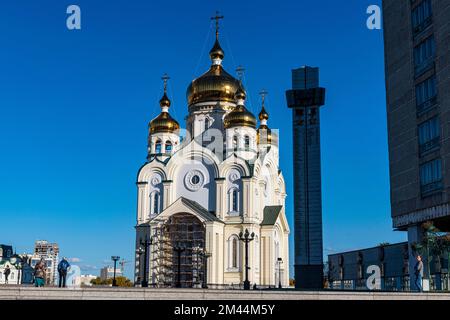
271,214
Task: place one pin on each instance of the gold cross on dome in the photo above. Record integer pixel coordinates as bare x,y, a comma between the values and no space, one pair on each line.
165,78
263,93
217,18
240,72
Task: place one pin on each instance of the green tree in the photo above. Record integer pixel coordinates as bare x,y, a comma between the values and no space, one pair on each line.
120,280
434,245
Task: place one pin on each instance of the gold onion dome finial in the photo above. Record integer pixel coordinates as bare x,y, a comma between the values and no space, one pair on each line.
216,84
165,101
264,134
164,122
216,53
263,115
240,116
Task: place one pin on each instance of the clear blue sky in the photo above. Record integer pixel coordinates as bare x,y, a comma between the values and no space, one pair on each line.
74,108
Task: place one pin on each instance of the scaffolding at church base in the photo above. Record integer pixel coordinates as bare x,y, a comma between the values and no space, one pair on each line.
178,252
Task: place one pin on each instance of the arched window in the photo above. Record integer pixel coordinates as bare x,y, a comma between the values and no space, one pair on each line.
158,146
247,142
234,253
168,146
235,143
234,200
206,124
155,201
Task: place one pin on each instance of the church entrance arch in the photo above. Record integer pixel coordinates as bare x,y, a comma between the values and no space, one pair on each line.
179,252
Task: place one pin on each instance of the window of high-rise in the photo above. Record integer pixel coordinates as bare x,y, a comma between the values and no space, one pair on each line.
426,94
429,135
424,54
421,17
430,177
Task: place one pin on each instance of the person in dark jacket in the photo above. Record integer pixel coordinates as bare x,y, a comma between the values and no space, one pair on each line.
63,266
7,272
418,271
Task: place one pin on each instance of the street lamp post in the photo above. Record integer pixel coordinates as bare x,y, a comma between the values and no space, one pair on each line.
146,244
179,249
115,259
280,261
246,237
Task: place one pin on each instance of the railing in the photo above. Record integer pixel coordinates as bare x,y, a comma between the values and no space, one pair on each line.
422,26
426,106
431,188
438,282
424,67
429,146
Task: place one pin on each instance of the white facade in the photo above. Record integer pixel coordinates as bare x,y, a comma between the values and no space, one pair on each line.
14,276
227,183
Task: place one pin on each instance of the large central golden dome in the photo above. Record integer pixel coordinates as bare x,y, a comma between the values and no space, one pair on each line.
214,85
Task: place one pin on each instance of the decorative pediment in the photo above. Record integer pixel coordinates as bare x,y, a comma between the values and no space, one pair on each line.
183,205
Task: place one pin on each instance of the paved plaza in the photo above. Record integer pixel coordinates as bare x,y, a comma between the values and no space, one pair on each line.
108,293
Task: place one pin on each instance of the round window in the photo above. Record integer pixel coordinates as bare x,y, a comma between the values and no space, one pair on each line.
195,180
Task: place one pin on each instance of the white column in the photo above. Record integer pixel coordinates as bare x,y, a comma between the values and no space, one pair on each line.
167,194
142,214
221,201
247,205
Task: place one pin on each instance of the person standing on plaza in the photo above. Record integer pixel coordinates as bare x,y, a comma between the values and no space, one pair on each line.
7,272
39,274
418,271
63,266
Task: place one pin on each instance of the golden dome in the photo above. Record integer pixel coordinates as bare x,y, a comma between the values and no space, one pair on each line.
240,116
214,85
163,123
263,115
263,134
216,51
164,101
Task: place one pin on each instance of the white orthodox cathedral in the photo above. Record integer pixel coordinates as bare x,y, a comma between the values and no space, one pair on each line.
198,194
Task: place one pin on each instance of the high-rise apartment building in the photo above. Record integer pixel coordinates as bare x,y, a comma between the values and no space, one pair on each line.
417,64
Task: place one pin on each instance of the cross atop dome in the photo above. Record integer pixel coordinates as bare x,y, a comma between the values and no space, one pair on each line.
217,18
240,72
165,78
216,52
263,93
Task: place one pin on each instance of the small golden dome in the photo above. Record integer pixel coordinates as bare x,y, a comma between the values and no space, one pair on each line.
239,116
163,123
240,93
164,101
216,51
214,85
263,115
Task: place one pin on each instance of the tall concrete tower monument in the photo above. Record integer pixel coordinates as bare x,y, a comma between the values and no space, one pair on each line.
305,100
